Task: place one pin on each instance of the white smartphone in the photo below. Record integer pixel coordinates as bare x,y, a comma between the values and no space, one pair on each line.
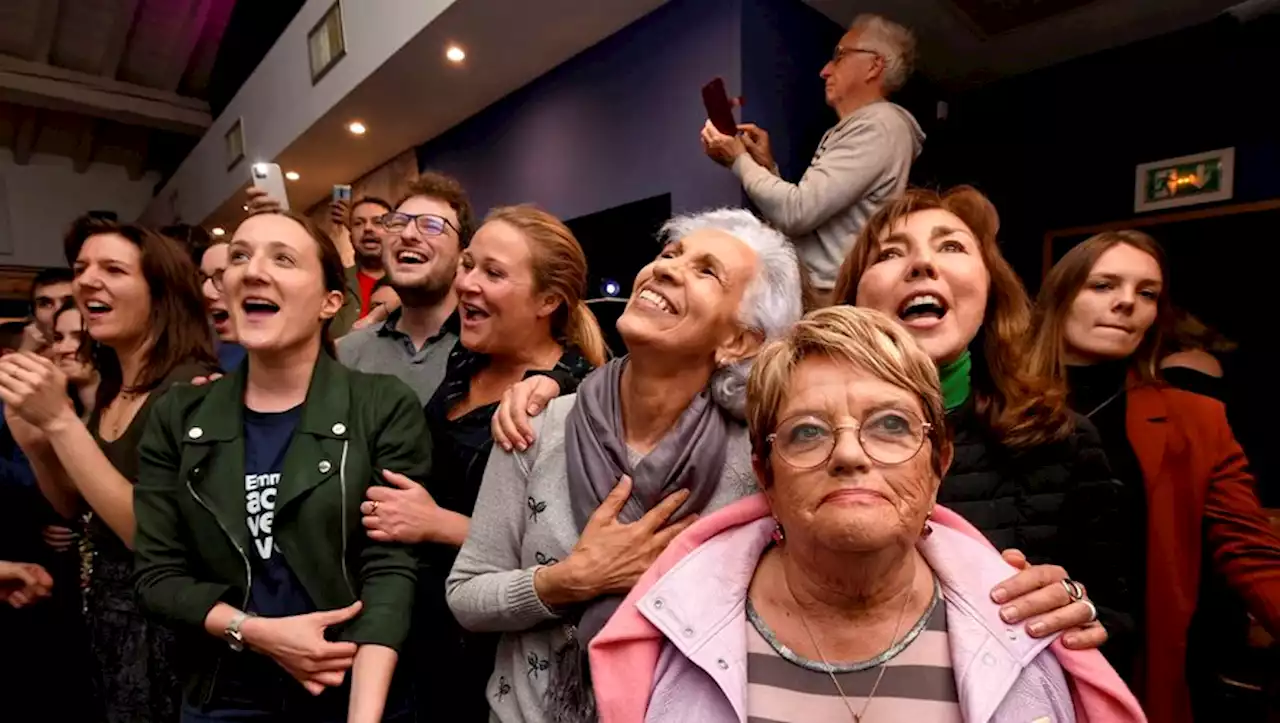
268,177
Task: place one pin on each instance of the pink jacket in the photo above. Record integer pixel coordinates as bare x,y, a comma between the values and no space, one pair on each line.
676,649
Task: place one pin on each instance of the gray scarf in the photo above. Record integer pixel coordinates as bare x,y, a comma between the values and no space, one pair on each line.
691,456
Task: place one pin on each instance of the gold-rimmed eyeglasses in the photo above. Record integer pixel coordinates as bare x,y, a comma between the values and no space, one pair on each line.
888,436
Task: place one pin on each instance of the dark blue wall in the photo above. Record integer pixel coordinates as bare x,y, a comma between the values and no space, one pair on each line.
617,123
1058,148
785,43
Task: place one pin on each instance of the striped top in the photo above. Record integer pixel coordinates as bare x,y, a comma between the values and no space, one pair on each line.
918,683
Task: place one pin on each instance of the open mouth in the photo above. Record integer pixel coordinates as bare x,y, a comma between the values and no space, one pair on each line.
96,308
922,307
220,316
472,313
656,300
258,308
411,257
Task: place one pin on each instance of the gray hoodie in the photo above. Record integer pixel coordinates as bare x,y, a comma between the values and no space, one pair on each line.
861,163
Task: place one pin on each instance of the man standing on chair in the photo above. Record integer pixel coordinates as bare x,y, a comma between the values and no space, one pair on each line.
860,163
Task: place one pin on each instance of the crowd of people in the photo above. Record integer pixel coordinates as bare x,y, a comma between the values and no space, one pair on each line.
840,472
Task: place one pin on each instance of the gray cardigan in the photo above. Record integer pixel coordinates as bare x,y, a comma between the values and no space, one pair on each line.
861,163
523,521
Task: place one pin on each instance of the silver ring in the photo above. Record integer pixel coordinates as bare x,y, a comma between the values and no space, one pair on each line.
1074,590
1093,610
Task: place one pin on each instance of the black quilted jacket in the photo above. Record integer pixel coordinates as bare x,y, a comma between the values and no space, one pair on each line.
1057,503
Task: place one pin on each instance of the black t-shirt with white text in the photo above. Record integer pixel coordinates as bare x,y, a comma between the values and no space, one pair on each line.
275,590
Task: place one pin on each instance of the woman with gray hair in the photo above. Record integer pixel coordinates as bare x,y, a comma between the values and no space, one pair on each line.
843,588
565,526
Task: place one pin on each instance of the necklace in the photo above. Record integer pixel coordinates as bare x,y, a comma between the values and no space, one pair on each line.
1107,401
897,627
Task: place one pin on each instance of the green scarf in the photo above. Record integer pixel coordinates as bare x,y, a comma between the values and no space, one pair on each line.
954,376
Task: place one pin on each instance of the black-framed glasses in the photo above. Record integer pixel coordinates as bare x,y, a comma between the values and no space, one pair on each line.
889,437
429,224
215,278
842,52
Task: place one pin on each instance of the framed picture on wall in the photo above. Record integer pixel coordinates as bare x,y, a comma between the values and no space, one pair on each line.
326,44
235,144
1185,180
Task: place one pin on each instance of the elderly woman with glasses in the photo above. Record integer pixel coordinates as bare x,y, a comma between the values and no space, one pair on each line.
842,590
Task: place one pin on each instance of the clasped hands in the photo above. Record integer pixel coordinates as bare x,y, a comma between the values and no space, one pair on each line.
35,390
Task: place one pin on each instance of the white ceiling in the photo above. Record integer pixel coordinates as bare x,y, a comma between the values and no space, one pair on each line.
417,94
953,50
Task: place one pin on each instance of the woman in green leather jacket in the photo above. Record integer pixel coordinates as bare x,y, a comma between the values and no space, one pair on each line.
248,502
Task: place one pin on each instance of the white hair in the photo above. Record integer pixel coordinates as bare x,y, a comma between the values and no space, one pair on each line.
895,44
771,303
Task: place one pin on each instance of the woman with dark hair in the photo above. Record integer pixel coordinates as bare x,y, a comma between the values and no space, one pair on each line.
71,353
1102,315
137,292
1027,472
248,503
213,260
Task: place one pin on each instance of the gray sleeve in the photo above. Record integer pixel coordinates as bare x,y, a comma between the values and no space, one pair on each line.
488,589
851,165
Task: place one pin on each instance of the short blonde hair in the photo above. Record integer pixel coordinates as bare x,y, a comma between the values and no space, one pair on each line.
865,338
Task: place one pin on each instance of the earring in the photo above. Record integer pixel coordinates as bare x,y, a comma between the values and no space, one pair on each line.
779,536
928,529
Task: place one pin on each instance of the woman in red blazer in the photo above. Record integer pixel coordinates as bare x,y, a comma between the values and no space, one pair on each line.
1100,316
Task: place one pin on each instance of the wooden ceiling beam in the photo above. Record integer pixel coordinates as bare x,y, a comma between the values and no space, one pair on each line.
118,35
40,85
184,45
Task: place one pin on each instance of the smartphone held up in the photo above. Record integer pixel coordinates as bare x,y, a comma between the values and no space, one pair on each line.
268,178
719,107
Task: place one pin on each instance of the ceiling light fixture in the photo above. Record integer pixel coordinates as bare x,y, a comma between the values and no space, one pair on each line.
455,54
357,128
292,175
218,231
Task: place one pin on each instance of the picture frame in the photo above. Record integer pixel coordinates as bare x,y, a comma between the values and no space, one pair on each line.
1185,180
235,143
326,42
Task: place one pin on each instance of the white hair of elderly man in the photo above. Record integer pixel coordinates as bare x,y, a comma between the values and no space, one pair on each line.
895,44
771,304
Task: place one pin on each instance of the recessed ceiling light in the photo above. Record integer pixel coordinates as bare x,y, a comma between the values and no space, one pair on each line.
218,231
356,128
455,54
292,175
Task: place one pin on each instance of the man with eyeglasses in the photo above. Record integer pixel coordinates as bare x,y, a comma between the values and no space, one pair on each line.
424,236
860,163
